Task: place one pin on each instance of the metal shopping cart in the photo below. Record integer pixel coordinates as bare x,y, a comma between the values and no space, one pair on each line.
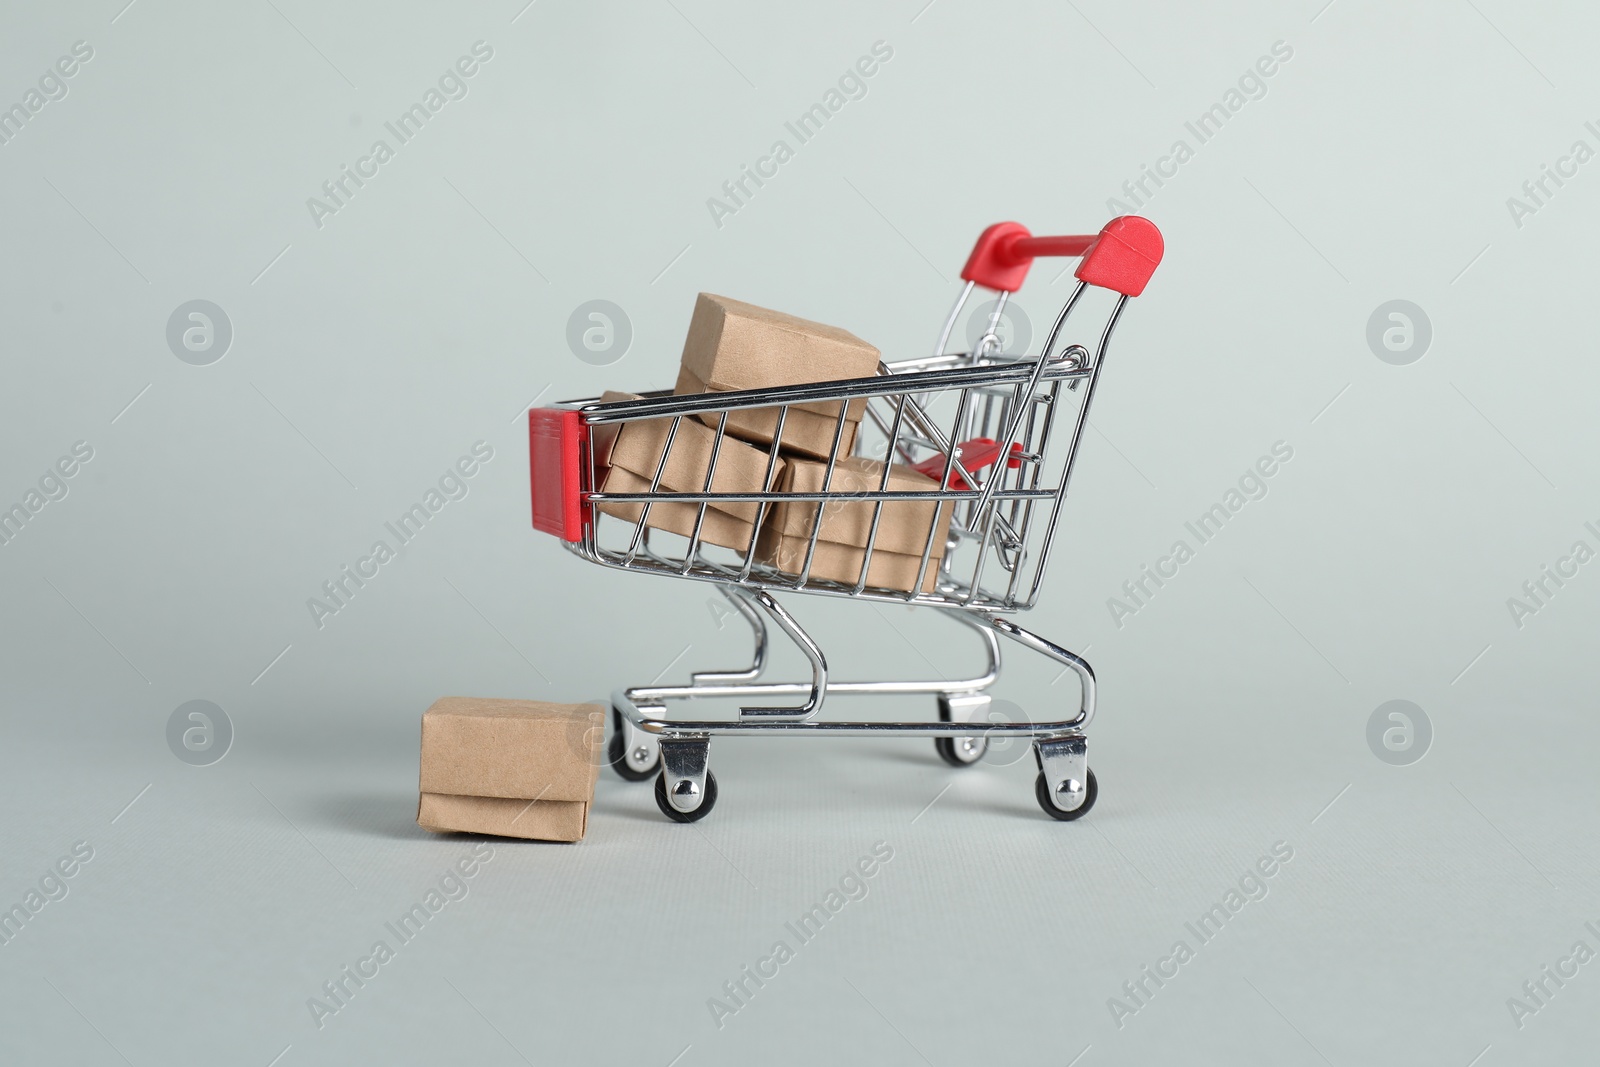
981,425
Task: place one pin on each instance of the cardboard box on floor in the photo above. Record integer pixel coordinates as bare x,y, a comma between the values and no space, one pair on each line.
515,768
841,545
733,345
635,452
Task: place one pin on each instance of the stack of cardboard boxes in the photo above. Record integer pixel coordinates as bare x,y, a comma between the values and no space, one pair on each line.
514,768
731,346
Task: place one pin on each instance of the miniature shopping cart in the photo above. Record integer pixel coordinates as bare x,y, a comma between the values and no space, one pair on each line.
997,435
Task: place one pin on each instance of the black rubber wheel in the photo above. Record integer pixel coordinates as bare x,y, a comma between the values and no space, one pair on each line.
946,747
697,814
1041,793
618,756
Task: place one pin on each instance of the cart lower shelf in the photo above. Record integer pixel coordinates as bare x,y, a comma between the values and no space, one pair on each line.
646,743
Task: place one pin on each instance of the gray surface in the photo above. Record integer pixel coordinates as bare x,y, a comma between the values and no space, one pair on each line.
369,354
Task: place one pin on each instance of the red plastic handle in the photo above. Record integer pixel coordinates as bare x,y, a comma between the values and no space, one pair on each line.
1122,256
1031,247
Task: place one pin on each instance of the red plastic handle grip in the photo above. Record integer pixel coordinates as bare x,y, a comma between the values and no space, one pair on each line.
1031,247
1122,256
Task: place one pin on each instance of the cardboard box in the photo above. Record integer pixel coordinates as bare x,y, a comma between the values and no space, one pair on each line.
516,768
902,529
807,430
603,436
741,468
734,345
542,820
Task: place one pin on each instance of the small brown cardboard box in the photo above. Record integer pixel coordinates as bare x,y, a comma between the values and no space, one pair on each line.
808,429
604,435
734,345
902,530
741,468
516,768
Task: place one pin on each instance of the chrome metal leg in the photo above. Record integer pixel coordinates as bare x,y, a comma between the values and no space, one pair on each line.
1064,763
1065,787
813,653
991,648
683,762
650,699
1077,663
740,599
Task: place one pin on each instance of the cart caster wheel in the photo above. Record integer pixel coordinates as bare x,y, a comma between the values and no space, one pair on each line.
960,751
617,754
697,814
1041,793
620,764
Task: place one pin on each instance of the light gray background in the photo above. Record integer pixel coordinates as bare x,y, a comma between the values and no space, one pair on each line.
369,354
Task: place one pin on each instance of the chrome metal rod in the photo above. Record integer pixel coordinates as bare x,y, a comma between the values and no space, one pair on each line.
988,344
831,497
950,322
991,649
902,444
883,486
952,359
1033,383
655,694
711,474
1077,435
655,486
1077,663
739,598
635,703
714,687
766,484
819,665
656,407
708,727
781,582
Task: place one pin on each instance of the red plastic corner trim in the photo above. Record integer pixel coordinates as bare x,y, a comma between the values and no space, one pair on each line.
1125,256
556,439
992,264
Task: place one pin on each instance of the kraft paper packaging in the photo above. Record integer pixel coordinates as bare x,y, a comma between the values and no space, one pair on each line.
516,768
732,345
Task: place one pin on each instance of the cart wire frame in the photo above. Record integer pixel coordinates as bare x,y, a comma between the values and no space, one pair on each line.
998,411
